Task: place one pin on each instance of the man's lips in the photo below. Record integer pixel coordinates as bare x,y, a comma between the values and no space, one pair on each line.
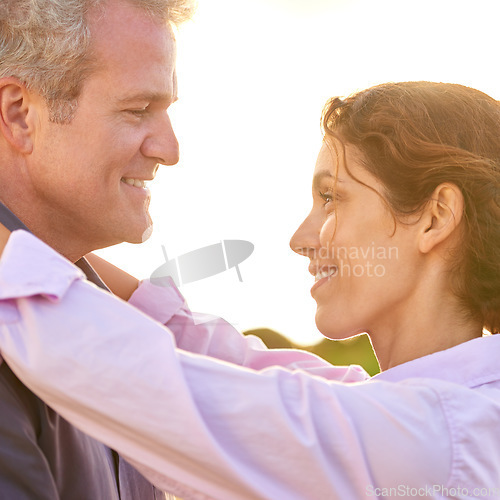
139,183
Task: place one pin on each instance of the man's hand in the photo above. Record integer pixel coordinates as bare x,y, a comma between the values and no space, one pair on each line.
4,237
119,282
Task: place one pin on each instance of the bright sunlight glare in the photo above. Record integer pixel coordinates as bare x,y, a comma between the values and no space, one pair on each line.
253,77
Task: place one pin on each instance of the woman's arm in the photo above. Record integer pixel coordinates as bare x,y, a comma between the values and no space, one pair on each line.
213,428
211,335
4,237
122,284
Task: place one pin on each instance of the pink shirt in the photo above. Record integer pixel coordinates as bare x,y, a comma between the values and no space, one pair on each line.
205,412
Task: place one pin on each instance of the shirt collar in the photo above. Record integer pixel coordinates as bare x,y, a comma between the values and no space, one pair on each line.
9,220
470,364
12,223
30,267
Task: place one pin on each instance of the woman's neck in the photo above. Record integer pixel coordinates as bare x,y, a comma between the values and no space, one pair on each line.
433,323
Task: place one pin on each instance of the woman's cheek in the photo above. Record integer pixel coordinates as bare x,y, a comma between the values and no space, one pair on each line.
327,233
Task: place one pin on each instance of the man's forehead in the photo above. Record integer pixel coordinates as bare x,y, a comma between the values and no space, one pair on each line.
134,55
122,23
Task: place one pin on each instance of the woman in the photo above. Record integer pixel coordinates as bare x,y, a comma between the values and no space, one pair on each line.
403,241
414,162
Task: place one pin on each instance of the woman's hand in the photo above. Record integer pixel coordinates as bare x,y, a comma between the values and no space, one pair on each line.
119,282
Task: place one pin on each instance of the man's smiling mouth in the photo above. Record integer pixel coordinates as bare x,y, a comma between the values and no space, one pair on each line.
134,182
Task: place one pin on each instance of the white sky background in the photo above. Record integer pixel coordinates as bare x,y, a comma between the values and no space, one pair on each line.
253,77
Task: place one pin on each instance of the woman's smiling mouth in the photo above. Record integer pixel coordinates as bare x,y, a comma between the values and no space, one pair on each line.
323,275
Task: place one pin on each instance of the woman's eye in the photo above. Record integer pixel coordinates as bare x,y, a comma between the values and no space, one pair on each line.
326,197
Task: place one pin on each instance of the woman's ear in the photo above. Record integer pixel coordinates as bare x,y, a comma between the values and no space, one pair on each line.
17,108
441,216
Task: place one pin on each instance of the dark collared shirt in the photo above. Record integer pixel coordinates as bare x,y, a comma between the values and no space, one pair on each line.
42,456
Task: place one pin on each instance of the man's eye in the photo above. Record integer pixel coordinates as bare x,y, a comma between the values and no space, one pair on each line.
138,111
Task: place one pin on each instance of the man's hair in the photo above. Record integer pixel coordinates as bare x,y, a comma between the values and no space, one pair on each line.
417,135
46,44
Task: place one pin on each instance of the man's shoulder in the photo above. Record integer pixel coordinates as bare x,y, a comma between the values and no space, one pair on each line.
39,447
16,398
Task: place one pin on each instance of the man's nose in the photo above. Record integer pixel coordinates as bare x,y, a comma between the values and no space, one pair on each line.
161,142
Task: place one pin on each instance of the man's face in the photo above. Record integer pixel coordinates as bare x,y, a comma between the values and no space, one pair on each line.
87,176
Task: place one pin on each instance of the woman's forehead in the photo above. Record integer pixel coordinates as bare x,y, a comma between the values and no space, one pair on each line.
332,159
342,165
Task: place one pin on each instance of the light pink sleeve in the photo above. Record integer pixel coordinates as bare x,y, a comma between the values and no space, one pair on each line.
202,427
215,337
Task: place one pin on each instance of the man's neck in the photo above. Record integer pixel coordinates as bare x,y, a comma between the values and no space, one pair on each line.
10,222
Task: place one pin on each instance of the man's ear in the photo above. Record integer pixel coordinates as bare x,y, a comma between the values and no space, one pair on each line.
16,114
441,216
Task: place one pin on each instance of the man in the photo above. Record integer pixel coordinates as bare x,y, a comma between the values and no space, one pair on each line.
85,88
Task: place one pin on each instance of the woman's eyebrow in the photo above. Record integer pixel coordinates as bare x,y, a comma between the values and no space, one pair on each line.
324,174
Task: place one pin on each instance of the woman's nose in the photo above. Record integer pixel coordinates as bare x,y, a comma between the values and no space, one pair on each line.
305,240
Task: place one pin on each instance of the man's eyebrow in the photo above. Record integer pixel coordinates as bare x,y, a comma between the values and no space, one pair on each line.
321,175
148,97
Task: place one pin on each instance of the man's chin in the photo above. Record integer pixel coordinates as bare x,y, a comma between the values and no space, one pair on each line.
139,233
137,238
147,233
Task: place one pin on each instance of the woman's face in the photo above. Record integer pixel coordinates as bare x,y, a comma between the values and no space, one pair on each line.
363,261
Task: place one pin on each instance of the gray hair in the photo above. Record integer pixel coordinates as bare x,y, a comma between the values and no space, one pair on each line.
46,44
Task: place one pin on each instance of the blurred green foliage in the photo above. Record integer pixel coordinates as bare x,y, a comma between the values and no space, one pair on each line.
354,351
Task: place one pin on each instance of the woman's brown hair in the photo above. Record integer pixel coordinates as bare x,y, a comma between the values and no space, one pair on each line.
416,135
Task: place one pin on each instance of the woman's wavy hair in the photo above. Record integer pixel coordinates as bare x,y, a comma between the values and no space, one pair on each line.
46,44
417,135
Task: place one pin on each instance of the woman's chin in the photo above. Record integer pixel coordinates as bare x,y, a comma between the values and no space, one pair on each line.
335,329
